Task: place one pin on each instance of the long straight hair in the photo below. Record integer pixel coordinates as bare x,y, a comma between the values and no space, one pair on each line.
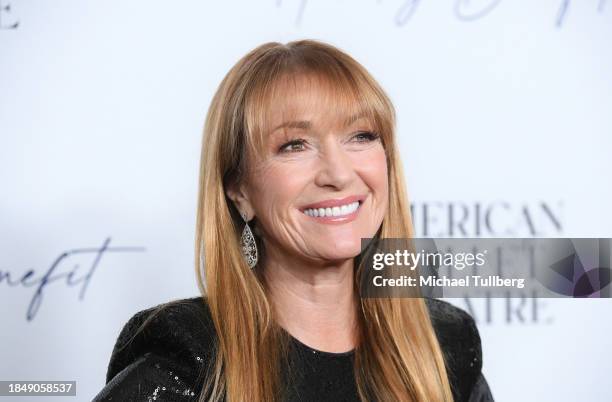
398,357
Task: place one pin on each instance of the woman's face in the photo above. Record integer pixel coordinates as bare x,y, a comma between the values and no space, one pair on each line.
317,168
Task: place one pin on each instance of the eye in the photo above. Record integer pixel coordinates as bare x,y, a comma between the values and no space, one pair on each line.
366,136
292,146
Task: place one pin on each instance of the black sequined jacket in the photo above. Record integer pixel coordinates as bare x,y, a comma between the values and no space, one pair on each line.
166,361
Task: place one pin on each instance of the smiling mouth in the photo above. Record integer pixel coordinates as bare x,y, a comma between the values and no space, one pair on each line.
331,212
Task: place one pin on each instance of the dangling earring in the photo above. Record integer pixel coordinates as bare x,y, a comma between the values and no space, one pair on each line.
247,240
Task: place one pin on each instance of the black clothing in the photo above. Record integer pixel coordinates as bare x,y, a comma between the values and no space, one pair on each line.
167,360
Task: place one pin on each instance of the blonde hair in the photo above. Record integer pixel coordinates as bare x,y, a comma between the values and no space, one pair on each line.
398,357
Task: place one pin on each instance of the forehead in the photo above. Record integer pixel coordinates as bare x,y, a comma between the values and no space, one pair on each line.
298,100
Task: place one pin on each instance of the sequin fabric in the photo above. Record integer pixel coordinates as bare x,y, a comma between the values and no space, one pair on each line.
167,360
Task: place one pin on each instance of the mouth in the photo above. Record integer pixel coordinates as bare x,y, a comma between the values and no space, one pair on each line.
331,212
336,209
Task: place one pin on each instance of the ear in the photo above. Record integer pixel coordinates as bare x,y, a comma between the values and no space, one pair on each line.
239,195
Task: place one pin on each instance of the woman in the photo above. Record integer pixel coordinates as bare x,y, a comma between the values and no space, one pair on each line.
299,163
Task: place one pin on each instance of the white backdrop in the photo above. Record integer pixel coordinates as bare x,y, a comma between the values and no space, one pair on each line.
505,109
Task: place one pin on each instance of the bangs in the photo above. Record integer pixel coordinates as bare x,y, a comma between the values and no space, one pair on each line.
344,96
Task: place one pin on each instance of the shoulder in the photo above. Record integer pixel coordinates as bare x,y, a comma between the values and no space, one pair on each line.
460,342
167,344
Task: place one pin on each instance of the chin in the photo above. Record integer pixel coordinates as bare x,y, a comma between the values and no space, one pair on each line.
345,251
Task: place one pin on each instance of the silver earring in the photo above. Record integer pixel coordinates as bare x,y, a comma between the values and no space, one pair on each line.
247,240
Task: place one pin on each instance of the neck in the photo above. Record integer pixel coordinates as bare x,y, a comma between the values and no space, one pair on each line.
314,303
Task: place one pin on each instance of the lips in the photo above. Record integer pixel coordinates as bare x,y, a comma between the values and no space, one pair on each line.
335,202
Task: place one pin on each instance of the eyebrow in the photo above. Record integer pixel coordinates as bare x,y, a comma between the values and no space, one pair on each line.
306,125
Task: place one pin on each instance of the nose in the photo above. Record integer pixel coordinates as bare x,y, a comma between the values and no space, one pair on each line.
335,167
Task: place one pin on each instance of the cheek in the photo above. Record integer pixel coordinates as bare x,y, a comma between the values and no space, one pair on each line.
375,172
278,185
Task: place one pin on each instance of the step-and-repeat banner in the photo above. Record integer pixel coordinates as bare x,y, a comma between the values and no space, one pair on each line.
504,122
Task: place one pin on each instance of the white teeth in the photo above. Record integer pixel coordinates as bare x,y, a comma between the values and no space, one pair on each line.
335,211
